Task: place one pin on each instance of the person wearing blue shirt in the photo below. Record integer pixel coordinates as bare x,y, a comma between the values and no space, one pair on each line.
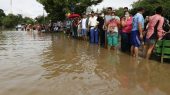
137,32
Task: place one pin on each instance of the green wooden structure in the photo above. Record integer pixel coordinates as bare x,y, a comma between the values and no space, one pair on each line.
163,49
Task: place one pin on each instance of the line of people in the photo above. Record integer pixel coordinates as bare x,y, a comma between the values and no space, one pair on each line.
110,31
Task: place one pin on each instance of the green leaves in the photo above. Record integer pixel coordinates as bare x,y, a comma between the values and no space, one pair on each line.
58,8
150,6
2,15
10,20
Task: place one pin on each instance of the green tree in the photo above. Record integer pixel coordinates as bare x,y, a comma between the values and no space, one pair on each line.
28,20
58,8
42,19
10,21
2,15
120,12
150,6
19,18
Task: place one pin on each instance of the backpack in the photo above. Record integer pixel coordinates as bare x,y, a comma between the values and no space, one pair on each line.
166,26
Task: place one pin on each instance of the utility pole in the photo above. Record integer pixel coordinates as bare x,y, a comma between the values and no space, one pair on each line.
43,15
11,6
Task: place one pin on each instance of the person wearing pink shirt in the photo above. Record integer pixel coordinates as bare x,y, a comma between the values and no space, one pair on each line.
155,31
126,23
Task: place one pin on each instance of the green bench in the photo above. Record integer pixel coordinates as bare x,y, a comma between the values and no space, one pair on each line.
163,49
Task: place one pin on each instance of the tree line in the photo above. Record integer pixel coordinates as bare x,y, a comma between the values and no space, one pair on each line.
58,8
151,5
10,21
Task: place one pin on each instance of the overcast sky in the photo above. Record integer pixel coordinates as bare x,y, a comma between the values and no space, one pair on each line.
32,8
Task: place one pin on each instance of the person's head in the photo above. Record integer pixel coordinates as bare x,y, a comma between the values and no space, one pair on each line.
109,10
159,10
113,13
126,9
127,14
89,15
96,14
79,18
141,10
75,19
99,14
92,14
147,19
84,16
102,15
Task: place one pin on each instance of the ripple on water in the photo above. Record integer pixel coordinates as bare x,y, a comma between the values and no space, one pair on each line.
33,63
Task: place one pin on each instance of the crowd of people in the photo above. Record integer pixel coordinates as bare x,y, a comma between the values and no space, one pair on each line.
110,31
55,27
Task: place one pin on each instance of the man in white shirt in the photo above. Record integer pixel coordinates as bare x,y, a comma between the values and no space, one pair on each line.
84,27
94,33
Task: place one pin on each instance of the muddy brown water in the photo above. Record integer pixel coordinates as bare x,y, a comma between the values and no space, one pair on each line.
53,64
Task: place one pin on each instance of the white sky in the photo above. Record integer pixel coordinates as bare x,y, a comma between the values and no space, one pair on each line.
32,8
115,3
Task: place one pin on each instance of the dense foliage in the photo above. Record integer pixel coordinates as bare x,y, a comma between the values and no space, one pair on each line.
58,8
2,15
150,6
11,20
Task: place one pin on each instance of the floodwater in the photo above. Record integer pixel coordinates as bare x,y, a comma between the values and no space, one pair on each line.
53,64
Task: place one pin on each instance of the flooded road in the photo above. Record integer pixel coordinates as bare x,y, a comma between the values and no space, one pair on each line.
52,64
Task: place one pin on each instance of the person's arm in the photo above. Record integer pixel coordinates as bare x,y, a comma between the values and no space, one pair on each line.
118,22
80,22
140,30
108,28
97,22
104,25
123,22
89,23
140,27
160,29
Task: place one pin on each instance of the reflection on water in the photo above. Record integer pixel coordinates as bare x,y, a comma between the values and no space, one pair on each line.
33,63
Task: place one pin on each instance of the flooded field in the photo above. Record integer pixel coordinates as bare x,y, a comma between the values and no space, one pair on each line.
32,63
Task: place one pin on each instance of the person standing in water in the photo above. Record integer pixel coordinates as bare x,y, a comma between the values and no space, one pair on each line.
126,23
107,18
84,27
137,32
155,31
94,33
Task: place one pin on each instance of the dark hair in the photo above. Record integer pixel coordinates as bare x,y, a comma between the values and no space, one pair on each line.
109,8
159,10
126,8
83,14
140,9
92,12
